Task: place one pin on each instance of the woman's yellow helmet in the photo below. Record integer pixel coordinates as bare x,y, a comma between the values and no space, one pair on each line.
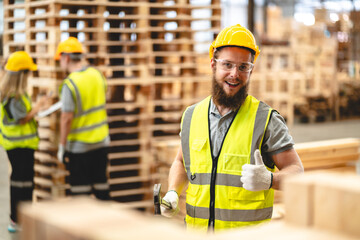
19,61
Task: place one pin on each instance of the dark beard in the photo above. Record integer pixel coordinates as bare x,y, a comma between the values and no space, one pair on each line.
233,102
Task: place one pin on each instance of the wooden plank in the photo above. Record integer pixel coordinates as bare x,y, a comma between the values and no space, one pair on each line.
86,219
157,80
45,157
41,194
298,200
124,155
43,182
52,171
131,192
126,167
134,179
144,116
330,163
324,145
329,153
326,201
336,199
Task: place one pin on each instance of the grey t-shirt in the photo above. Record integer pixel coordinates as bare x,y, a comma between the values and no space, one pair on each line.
17,109
68,105
277,138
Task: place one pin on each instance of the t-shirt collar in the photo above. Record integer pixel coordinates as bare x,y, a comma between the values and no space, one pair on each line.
215,111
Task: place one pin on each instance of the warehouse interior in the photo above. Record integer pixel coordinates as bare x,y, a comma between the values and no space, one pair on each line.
154,55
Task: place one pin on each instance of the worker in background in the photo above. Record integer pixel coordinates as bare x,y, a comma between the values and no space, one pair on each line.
84,132
230,145
19,135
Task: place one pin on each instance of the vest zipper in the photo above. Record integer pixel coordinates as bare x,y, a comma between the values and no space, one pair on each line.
211,226
212,194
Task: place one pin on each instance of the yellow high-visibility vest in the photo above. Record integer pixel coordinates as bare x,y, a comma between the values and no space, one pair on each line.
215,198
88,88
14,134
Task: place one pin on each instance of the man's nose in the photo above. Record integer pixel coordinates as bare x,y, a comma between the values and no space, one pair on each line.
235,71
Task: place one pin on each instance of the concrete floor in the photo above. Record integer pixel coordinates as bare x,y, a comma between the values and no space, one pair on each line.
300,132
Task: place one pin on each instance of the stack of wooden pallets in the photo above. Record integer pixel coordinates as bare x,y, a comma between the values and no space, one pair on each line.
288,76
151,54
296,69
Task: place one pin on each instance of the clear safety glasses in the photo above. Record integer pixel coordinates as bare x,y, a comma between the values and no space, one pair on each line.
228,66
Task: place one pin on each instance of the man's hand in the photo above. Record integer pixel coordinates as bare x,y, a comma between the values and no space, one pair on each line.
256,177
60,153
172,198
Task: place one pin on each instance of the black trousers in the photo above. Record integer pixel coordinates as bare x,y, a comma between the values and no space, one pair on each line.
88,173
21,179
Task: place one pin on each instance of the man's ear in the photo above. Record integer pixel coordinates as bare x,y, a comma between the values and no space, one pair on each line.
67,58
212,64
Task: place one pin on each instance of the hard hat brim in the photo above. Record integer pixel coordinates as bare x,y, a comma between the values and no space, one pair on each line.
33,67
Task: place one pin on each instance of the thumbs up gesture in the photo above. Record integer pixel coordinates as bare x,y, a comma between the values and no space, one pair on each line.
256,177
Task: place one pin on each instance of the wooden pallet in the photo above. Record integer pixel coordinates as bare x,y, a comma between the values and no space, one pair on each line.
288,77
150,67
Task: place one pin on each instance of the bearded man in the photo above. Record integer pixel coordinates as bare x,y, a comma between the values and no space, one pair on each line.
230,145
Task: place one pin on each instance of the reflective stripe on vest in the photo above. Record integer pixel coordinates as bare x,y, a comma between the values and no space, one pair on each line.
89,124
20,184
231,214
16,135
80,189
231,205
101,186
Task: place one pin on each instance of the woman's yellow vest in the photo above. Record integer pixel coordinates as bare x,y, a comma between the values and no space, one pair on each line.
215,198
14,134
89,124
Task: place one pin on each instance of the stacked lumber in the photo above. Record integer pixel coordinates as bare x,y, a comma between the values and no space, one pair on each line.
324,201
336,155
86,218
329,154
349,65
349,102
148,51
355,44
318,207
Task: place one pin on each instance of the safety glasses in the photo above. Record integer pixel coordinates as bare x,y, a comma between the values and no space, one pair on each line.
228,66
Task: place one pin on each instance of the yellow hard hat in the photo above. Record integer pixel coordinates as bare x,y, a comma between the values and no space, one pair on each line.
235,35
20,60
70,45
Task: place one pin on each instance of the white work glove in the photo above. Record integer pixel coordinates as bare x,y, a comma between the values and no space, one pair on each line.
172,198
60,153
256,177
